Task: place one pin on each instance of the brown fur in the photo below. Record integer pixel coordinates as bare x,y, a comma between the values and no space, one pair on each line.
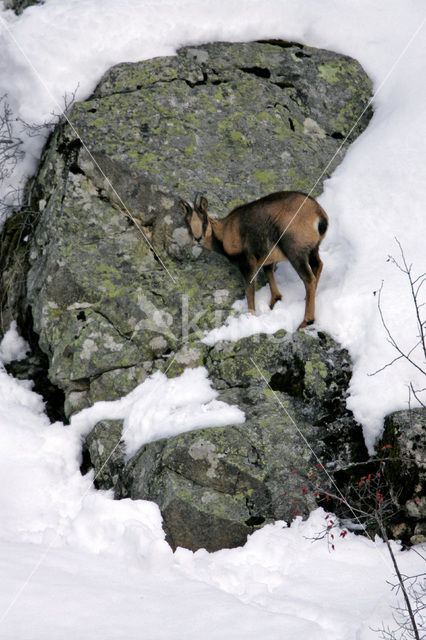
287,225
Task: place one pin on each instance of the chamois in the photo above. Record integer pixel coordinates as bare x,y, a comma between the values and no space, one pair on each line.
287,225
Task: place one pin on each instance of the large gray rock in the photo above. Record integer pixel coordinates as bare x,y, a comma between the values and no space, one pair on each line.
214,486
108,287
113,285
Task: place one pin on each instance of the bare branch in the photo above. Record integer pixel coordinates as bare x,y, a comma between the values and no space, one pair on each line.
415,285
415,393
12,143
33,129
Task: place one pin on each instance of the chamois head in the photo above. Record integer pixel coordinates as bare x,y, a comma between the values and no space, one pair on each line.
196,219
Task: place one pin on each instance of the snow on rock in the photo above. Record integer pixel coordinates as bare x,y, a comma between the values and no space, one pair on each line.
161,407
13,346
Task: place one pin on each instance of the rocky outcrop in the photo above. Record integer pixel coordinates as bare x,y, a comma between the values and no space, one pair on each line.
112,284
214,486
107,286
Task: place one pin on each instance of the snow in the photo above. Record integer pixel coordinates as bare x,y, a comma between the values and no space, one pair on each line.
187,403
45,499
76,563
279,585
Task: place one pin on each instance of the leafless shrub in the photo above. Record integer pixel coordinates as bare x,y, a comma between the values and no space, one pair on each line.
11,153
32,129
416,286
13,131
366,504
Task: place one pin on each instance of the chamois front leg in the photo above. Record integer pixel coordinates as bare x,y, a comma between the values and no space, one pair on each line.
250,292
275,293
248,268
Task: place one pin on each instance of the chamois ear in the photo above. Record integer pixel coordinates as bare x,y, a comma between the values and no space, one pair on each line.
203,206
185,207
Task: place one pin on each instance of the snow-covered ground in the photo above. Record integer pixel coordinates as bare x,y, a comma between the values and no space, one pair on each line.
77,564
279,586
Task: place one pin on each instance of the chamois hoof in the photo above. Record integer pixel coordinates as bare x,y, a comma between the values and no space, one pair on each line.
305,323
274,300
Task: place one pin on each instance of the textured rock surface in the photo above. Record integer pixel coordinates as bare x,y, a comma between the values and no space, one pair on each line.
221,116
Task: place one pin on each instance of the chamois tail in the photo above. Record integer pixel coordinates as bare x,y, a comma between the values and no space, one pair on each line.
322,223
322,218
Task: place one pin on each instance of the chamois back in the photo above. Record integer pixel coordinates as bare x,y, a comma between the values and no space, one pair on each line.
286,220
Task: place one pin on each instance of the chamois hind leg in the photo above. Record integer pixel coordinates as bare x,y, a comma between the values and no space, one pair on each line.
275,293
316,264
304,271
248,268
